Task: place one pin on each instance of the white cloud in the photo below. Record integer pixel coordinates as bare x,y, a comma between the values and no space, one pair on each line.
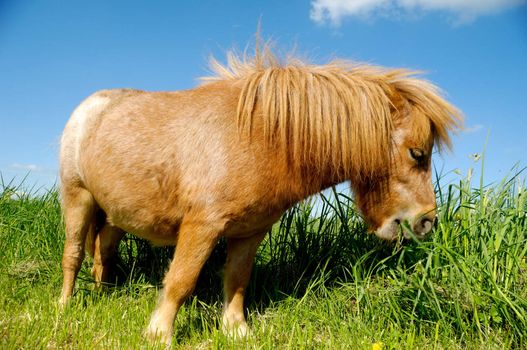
462,11
27,167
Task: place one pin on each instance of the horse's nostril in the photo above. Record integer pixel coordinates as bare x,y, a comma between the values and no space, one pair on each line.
423,226
397,221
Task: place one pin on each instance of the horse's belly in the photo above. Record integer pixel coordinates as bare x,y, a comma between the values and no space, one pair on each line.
146,223
136,197
142,212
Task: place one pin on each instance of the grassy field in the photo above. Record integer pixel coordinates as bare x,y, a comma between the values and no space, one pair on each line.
319,282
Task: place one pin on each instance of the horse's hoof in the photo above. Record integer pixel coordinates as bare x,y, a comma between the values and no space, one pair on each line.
237,331
155,336
154,333
62,302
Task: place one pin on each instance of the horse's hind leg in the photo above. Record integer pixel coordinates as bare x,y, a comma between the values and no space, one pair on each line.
78,208
106,244
240,258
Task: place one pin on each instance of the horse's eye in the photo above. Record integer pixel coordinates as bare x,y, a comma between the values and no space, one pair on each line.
417,154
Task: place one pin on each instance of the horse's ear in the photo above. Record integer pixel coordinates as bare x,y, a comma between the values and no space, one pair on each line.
400,107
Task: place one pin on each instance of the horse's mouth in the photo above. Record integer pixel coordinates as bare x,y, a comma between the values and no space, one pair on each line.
389,231
393,229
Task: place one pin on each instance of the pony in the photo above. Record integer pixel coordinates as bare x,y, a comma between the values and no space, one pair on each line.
229,157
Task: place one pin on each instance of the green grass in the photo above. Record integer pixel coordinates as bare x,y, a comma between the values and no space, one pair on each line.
319,282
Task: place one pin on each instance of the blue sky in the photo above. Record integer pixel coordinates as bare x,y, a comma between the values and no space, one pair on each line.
53,54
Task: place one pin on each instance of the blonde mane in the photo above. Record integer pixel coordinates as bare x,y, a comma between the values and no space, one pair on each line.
339,113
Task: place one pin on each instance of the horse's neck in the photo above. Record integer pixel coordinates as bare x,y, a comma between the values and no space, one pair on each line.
316,180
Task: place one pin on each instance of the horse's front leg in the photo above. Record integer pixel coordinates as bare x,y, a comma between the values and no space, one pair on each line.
240,259
196,240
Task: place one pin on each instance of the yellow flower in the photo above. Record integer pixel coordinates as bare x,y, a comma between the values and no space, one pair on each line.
376,346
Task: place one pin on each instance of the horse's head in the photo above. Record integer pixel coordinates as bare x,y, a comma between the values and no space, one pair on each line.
403,195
